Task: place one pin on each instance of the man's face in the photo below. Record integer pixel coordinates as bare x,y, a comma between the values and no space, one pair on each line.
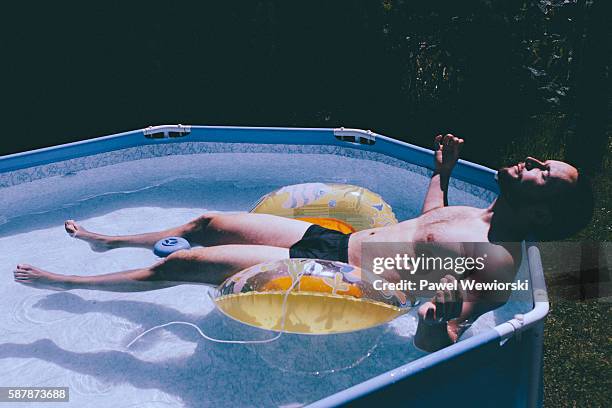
533,180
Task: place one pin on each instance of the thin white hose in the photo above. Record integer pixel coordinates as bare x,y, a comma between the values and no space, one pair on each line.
280,333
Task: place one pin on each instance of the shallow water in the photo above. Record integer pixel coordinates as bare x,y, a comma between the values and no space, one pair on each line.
78,338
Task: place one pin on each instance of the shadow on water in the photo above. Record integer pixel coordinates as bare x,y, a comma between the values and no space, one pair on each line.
285,371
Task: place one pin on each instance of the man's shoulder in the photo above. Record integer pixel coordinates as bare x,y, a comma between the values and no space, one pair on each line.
501,260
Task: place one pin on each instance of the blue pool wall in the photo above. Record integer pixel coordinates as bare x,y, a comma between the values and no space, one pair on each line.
405,152
499,367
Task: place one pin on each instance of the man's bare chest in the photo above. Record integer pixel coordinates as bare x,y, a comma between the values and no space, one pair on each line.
450,224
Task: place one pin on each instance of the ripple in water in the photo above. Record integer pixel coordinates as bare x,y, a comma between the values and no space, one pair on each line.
30,310
89,385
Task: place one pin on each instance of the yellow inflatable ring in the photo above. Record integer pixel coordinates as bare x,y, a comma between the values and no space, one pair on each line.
343,207
322,297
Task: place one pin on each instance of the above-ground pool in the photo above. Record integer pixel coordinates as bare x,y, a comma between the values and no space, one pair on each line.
159,177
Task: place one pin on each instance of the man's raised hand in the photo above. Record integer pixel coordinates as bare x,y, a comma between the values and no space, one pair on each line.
447,149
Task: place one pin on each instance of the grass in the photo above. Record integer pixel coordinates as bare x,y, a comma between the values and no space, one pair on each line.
577,354
577,334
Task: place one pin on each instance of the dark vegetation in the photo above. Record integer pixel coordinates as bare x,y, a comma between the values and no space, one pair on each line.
511,77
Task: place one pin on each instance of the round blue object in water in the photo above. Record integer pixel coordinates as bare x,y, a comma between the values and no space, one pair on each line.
166,246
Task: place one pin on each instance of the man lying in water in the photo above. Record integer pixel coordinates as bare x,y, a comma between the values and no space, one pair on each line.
548,199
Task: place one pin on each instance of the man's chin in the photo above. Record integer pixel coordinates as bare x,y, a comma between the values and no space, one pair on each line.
504,179
508,186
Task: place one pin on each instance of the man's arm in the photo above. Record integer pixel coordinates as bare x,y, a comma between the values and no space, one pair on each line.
445,158
444,319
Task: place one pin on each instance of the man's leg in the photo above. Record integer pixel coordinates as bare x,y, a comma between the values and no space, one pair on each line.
208,230
200,265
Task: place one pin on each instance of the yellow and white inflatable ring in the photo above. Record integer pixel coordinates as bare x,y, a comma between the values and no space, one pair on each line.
343,207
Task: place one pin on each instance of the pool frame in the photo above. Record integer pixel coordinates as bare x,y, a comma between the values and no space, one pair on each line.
501,366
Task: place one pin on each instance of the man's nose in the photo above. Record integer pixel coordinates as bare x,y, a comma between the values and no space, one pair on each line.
531,162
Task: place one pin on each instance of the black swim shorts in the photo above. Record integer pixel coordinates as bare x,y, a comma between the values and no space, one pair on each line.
321,243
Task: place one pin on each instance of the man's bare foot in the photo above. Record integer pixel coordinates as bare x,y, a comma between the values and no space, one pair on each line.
97,242
30,275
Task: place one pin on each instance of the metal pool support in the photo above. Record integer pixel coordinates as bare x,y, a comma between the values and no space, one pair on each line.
501,366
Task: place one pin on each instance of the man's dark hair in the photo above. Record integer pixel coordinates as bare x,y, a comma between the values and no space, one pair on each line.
571,210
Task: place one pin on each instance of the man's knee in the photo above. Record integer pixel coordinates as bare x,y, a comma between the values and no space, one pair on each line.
178,259
197,226
204,219
170,267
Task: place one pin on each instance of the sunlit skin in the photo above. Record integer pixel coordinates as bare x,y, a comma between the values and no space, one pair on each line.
234,242
518,210
535,177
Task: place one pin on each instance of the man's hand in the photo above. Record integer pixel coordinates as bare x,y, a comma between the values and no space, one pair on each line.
446,153
437,329
445,306
445,157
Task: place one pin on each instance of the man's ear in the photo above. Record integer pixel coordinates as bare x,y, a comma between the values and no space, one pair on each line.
539,215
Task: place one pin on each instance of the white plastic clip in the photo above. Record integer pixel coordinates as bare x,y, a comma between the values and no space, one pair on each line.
518,322
165,131
355,136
